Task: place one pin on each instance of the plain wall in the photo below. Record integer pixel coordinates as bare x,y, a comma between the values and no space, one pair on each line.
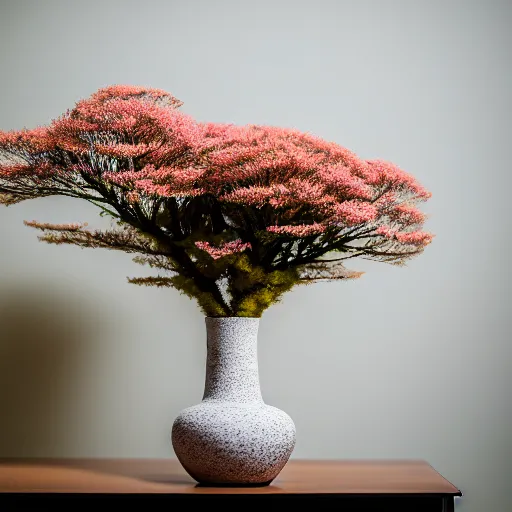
407,362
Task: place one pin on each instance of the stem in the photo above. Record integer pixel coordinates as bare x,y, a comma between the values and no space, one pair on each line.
182,258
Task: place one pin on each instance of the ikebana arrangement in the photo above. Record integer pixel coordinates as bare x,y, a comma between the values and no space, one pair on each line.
232,216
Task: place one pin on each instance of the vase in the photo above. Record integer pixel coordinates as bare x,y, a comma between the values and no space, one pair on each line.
232,437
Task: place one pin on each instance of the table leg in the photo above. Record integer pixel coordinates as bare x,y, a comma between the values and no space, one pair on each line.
448,504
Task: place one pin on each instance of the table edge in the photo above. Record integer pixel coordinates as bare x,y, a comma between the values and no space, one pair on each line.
250,491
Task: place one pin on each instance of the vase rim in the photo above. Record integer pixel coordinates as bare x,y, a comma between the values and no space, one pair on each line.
247,317
209,318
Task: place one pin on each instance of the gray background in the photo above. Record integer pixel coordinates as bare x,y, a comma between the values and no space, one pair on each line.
403,363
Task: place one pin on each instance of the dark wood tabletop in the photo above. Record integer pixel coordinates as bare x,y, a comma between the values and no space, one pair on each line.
342,478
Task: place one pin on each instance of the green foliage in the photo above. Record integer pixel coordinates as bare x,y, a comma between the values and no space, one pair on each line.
206,301
250,289
158,281
187,287
254,290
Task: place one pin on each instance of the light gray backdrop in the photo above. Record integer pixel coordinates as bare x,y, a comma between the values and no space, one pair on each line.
405,362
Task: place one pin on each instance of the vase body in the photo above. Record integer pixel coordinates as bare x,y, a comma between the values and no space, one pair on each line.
232,437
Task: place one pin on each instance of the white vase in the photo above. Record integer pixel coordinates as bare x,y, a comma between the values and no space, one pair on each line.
232,437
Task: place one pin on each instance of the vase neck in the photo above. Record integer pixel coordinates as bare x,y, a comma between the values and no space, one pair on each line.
232,360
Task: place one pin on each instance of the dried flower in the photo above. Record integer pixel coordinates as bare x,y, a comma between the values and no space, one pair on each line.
225,249
276,199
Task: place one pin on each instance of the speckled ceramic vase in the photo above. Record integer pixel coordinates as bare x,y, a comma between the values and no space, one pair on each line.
232,437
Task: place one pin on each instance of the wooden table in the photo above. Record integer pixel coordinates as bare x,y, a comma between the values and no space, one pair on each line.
357,485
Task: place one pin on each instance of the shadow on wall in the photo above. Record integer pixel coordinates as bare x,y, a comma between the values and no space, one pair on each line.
44,340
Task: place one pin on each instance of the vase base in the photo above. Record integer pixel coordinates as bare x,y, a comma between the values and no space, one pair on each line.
251,484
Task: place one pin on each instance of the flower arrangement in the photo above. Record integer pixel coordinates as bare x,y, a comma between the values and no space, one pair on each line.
233,216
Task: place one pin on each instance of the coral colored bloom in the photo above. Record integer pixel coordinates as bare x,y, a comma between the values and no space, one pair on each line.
386,231
224,250
133,196
387,173
415,238
355,212
407,214
412,238
175,185
301,230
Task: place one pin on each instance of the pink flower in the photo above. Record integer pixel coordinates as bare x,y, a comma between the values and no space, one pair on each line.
386,231
343,181
415,238
118,150
225,249
256,196
301,230
128,91
407,214
410,238
132,196
134,143
153,189
354,212
387,173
